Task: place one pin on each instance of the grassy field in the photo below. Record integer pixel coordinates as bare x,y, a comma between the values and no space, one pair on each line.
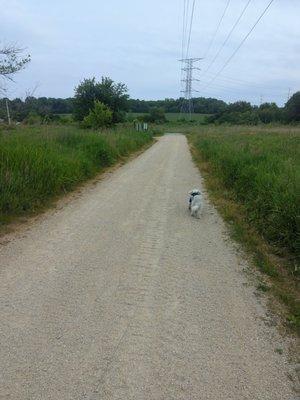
173,117
38,163
253,174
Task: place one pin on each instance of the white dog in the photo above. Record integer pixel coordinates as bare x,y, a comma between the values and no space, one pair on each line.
195,203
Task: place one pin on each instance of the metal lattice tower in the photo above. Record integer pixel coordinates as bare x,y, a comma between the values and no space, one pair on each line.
188,67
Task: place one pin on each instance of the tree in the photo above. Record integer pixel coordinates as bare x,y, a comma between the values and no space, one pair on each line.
239,106
269,112
156,114
292,108
202,105
11,61
98,117
114,95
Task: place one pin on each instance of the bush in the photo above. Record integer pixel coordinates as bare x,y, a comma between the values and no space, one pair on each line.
33,118
98,117
156,115
238,118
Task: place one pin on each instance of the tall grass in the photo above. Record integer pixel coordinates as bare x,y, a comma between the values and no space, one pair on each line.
38,163
261,167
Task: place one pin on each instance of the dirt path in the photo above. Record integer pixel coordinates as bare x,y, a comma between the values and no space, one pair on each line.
121,295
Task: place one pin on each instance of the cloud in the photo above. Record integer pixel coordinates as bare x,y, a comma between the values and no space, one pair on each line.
139,43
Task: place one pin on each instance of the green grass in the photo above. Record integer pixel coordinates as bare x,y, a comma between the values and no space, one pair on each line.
41,162
174,117
263,171
253,177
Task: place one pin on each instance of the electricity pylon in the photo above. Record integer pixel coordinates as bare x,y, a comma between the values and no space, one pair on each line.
187,105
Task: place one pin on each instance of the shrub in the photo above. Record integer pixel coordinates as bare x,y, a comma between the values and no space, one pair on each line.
156,115
98,117
33,118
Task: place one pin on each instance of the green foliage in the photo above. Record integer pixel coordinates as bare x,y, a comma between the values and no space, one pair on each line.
98,117
263,171
33,118
156,115
237,118
239,107
243,113
43,106
270,112
238,113
11,62
173,118
38,163
293,108
202,105
113,95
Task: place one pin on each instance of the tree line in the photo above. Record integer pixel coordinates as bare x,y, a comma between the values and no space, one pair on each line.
105,102
201,105
243,113
109,93
42,106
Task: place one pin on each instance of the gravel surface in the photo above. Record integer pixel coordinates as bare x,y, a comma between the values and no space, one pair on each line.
120,294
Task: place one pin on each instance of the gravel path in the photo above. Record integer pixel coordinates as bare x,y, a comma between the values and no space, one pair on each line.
122,295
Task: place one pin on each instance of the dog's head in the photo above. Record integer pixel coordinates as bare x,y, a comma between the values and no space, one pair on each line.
194,192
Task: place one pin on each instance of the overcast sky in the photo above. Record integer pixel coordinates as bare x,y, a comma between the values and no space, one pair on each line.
138,42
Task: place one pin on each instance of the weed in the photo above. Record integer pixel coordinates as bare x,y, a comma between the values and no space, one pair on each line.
279,350
263,288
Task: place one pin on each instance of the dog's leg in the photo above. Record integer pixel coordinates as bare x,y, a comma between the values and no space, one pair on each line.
194,211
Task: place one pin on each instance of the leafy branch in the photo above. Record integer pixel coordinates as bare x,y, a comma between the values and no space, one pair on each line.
11,61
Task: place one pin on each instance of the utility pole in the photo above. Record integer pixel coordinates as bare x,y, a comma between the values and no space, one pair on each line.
188,67
261,99
289,94
7,110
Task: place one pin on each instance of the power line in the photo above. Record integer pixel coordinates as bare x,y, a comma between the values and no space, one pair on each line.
240,45
232,81
223,87
236,80
186,7
216,91
183,31
183,28
185,21
190,32
228,37
217,29
188,62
